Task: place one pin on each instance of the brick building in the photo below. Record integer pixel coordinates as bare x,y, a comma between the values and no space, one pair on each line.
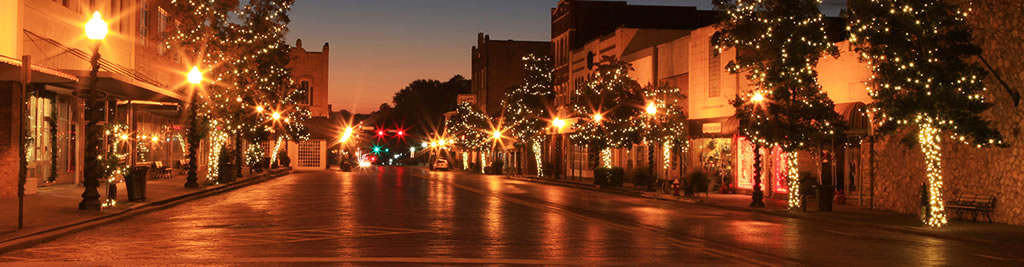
498,67
310,71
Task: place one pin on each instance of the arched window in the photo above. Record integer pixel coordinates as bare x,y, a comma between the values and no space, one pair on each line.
304,85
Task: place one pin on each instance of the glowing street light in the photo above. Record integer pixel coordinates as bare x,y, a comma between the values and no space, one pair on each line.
496,134
651,108
195,76
757,98
348,134
96,28
558,123
259,109
276,116
598,117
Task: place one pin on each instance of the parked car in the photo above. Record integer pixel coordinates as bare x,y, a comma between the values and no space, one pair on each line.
440,164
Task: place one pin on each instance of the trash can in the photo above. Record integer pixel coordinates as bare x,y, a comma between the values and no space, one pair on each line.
135,183
825,194
226,173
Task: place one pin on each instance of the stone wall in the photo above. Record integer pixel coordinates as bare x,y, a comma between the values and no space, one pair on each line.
9,95
996,171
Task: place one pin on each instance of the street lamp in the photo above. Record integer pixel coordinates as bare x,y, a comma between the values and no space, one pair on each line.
652,109
195,78
346,135
598,117
757,197
558,123
276,116
496,134
95,30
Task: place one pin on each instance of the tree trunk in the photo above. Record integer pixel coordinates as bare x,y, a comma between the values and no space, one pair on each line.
928,137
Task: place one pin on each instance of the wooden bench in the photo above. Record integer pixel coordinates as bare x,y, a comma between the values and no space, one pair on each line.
182,166
160,171
972,203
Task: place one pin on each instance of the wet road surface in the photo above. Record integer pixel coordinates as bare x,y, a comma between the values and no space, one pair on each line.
411,216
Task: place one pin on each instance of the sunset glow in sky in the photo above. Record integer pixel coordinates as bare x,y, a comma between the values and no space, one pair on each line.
378,47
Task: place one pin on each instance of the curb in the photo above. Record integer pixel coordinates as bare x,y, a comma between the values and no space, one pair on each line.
664,197
45,235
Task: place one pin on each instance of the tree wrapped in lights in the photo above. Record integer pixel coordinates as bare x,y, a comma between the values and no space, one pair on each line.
203,33
526,106
611,100
778,44
663,121
925,79
473,128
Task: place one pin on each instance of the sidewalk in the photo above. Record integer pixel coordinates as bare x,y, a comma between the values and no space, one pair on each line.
55,207
981,232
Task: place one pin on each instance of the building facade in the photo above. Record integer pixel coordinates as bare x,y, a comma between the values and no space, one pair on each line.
311,72
498,67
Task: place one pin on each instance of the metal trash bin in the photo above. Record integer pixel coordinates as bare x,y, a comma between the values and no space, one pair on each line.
825,194
135,183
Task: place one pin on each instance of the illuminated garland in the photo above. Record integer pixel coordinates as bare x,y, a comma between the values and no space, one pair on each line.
217,139
666,153
606,158
793,178
537,158
277,147
929,141
787,106
925,78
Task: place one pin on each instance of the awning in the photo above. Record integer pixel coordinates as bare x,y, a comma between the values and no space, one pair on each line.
122,87
10,70
855,115
713,127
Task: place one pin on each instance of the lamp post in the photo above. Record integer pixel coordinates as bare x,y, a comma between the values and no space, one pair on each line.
95,30
559,124
195,78
652,112
757,197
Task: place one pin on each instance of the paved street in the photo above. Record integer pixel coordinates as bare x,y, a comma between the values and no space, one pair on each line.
410,215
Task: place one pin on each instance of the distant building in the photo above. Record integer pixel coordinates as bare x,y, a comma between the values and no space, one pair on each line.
584,31
310,70
498,67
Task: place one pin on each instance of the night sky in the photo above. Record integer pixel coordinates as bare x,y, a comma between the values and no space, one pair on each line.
379,46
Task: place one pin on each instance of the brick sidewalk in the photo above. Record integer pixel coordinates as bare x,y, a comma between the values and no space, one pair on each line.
57,205
840,215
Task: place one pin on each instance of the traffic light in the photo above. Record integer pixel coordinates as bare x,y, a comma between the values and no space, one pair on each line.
376,149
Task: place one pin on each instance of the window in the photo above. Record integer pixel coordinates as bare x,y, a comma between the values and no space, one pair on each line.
304,85
161,27
143,22
714,75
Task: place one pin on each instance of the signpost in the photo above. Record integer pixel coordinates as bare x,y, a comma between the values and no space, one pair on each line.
26,78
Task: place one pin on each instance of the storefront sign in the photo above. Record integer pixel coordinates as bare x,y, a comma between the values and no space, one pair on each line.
711,127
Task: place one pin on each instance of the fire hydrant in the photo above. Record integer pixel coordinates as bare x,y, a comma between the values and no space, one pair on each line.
675,187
